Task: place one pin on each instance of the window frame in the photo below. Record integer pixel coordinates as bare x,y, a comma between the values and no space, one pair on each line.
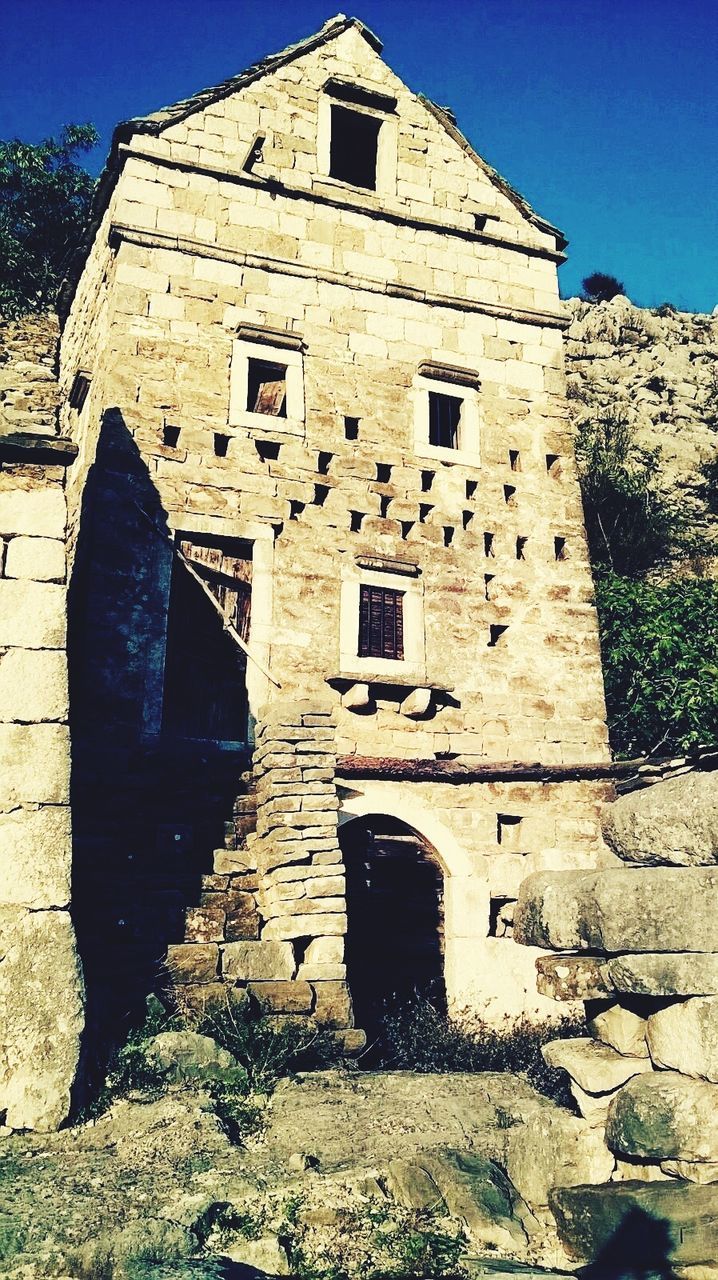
408,581
386,150
467,450
244,350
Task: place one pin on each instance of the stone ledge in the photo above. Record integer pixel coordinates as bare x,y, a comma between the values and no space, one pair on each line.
22,446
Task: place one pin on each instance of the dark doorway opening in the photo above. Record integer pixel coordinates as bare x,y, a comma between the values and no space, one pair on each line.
395,909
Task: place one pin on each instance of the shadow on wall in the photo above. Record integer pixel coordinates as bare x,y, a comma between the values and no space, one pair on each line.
639,1249
149,805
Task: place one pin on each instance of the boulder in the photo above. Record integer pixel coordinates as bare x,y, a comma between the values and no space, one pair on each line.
669,974
41,1016
572,977
638,1228
619,910
703,1171
411,1186
664,1116
673,823
684,1037
477,1192
594,1066
622,1030
187,1055
551,1149
261,1257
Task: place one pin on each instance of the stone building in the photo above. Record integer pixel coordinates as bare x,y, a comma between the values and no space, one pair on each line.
324,509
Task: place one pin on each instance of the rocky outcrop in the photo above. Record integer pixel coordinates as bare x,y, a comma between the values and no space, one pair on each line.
658,370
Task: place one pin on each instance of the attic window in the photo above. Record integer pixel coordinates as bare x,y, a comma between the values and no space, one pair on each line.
353,147
267,388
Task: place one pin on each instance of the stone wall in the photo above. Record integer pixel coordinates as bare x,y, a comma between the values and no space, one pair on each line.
642,944
28,374
41,998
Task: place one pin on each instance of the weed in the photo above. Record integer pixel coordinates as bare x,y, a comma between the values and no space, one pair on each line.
266,1050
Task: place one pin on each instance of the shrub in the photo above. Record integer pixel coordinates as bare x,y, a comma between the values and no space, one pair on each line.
416,1036
599,287
629,524
660,662
265,1049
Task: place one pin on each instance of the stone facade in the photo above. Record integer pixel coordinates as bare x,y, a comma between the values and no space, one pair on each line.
310,397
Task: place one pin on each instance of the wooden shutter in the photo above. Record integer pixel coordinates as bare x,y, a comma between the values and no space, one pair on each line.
381,623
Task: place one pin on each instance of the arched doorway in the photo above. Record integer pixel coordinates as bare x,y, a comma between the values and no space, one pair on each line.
395,911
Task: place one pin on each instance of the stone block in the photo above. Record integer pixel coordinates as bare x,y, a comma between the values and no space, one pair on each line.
262,961
684,1037
42,559
303,926
210,999
664,1116
193,962
674,822
37,512
324,951
282,997
35,857
416,704
332,1005
33,685
41,1015
205,924
411,1186
594,1067
619,910
572,977
34,763
32,614
555,1149
672,974
622,1029
242,918
638,1228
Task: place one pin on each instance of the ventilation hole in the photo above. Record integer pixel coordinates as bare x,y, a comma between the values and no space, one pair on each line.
466,518
520,548
255,155
170,436
427,479
295,509
351,428
514,460
553,464
356,518
79,389
323,463
383,472
488,579
501,917
406,528
489,544
384,506
508,826
268,450
510,495
480,220
221,445
320,494
448,535
471,487
496,631
424,510
559,549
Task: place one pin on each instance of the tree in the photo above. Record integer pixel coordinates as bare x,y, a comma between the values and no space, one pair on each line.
45,198
600,287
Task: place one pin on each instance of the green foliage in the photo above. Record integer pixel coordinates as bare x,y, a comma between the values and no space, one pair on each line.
660,659
45,198
419,1248
629,524
416,1036
599,287
266,1050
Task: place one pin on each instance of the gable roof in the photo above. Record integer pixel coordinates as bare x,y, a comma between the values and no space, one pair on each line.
156,121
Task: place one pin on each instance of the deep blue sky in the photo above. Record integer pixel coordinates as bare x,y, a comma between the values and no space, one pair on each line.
604,114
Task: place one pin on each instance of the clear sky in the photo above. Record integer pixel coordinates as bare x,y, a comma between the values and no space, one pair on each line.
604,113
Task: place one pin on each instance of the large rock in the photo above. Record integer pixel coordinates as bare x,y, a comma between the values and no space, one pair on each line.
684,1037
622,1029
187,1055
572,977
674,823
595,1067
41,1016
670,974
664,1116
477,1192
638,1228
555,1149
619,910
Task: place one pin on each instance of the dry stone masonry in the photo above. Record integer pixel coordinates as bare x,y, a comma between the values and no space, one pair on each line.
647,1077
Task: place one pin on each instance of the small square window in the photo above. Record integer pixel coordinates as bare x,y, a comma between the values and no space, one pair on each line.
381,623
353,147
444,420
267,388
